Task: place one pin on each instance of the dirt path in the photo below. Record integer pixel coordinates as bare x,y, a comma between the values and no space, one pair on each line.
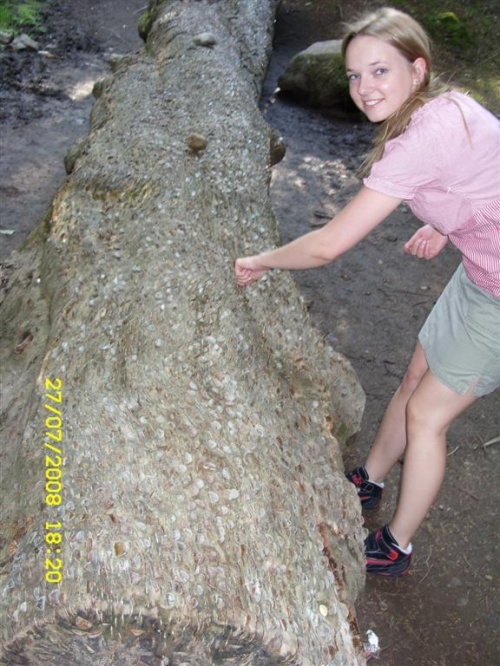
45,103
370,305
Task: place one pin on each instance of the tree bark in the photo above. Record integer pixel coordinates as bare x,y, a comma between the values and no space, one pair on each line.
175,438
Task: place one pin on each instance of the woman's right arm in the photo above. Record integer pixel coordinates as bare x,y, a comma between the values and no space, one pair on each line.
317,248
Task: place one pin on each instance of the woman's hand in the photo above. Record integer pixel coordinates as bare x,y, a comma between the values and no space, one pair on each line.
317,248
426,243
248,270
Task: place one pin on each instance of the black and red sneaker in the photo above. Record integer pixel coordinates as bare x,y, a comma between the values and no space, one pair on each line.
369,493
383,556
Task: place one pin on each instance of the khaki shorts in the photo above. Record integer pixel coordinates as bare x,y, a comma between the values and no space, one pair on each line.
461,337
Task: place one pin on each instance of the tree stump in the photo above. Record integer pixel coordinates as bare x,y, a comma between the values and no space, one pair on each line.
172,485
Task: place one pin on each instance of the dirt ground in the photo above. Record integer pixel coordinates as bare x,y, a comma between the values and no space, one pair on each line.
45,102
369,304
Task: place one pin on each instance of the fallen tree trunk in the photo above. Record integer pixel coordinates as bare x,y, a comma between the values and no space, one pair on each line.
172,486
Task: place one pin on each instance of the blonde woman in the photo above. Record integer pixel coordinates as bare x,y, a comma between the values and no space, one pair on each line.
439,151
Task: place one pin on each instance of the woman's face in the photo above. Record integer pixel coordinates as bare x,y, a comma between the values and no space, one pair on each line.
380,78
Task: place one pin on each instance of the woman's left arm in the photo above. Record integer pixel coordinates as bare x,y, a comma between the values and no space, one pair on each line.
317,248
426,243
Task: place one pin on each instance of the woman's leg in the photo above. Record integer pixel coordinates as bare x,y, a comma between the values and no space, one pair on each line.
390,442
430,411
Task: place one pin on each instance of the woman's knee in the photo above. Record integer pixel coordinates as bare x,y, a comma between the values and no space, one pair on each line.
415,371
425,414
416,412
411,379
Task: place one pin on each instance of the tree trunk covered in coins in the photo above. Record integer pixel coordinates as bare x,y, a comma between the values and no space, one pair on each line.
172,485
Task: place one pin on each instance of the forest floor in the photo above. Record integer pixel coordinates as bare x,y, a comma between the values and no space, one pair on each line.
370,304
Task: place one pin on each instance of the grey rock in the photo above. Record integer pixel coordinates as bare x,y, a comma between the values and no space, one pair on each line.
6,37
317,77
24,43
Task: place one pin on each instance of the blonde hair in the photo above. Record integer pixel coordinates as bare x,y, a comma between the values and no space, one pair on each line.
410,39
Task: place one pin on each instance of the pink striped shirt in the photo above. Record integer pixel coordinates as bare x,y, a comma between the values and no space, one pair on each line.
448,171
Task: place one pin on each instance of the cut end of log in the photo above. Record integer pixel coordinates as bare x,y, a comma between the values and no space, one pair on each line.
86,638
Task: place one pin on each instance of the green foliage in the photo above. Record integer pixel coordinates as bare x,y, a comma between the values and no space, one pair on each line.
16,17
447,28
28,14
6,16
144,25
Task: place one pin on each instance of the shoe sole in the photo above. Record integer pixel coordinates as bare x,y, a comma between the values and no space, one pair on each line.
386,574
366,505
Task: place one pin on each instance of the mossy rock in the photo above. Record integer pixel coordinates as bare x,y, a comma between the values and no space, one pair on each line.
38,236
74,152
147,19
317,77
101,86
144,25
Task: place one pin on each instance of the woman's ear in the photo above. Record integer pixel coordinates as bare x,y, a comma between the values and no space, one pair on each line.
419,67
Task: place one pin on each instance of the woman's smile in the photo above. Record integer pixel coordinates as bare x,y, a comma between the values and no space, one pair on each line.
380,78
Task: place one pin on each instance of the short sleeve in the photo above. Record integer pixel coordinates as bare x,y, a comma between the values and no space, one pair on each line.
410,161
